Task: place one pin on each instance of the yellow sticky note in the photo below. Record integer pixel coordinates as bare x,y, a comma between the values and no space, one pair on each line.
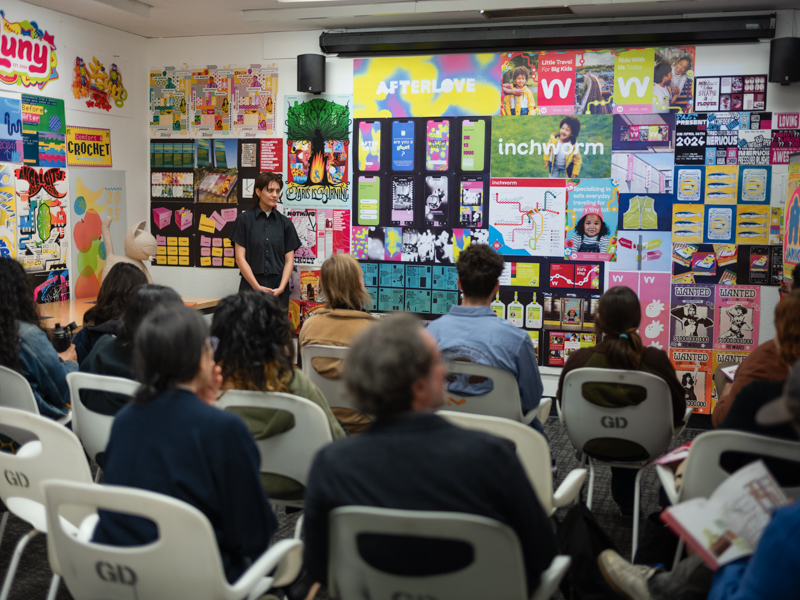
184,241
161,260
216,252
161,250
172,251
183,251
207,224
172,241
229,262
226,243
183,261
172,260
205,261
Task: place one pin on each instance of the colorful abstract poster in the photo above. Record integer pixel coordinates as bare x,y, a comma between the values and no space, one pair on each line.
791,227
318,149
44,129
169,97
28,55
530,146
8,213
51,286
254,97
592,215
692,323
11,148
633,74
527,216
209,91
694,371
98,196
594,82
88,147
99,83
322,232
213,246
737,310
42,206
520,83
427,86
361,242
557,82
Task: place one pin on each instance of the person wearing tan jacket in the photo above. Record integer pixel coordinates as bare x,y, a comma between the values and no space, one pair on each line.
341,320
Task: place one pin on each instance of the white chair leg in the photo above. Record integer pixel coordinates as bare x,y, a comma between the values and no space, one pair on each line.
591,485
678,553
3,522
12,568
298,527
97,475
51,595
637,492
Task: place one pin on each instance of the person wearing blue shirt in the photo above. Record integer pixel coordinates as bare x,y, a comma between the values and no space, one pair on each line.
472,332
771,572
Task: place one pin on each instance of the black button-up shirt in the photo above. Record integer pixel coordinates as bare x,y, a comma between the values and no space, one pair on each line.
266,239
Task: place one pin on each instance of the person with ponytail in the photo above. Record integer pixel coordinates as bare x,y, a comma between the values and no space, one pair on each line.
620,347
256,353
171,439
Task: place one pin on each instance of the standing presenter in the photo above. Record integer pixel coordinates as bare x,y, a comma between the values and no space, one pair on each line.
265,241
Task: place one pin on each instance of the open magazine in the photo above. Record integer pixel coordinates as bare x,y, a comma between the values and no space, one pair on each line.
727,525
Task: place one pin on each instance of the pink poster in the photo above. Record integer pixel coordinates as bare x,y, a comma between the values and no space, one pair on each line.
557,83
654,295
627,278
737,308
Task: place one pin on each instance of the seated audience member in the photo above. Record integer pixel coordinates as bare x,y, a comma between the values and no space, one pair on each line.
741,413
172,440
117,288
414,460
256,353
620,347
765,363
473,333
25,347
342,318
771,572
113,355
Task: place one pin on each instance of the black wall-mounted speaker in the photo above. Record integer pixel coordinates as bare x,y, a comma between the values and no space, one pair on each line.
784,60
311,73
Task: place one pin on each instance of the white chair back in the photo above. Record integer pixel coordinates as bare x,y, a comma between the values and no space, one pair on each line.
333,389
648,424
497,570
291,453
184,562
703,472
16,392
502,401
91,427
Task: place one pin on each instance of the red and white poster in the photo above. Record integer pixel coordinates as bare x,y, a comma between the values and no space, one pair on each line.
271,155
557,83
322,233
693,368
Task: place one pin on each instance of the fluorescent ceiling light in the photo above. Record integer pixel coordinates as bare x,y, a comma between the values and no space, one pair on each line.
132,6
293,1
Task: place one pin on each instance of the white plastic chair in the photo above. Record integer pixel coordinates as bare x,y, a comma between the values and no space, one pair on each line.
648,424
333,389
16,392
291,453
183,563
92,428
497,570
502,401
534,454
703,472
56,454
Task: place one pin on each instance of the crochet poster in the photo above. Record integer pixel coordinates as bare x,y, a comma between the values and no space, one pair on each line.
737,309
692,323
591,231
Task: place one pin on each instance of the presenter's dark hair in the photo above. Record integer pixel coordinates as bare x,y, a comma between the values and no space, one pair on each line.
479,267
255,341
16,304
117,288
619,314
145,300
167,350
264,179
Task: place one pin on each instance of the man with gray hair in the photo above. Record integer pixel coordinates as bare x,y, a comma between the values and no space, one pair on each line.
415,460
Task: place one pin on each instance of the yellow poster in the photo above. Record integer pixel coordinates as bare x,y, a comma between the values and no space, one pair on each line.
88,147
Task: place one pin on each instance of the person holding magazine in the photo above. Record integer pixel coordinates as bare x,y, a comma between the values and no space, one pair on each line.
771,572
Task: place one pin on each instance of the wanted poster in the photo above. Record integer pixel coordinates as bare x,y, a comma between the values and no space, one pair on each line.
693,368
737,310
692,316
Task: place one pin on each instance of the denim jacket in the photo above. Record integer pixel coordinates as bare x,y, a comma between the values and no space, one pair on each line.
42,367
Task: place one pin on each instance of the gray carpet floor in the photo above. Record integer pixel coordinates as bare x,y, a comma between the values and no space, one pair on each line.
33,576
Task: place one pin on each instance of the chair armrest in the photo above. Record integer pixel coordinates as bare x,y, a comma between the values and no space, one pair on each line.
543,411
528,417
569,488
254,582
685,422
667,477
551,577
65,420
560,413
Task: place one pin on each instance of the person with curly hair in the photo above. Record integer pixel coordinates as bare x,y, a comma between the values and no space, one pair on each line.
26,347
562,157
117,288
256,353
519,99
